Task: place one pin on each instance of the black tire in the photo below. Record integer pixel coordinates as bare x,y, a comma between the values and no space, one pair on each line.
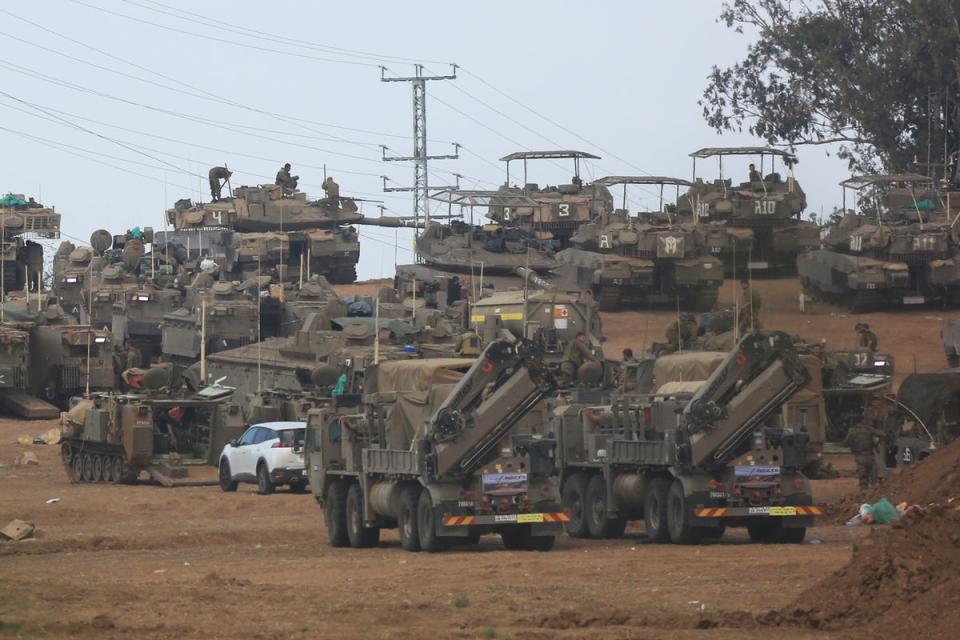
541,543
87,467
97,468
788,535
616,527
678,520
575,500
599,525
264,484
760,530
714,533
427,525
227,483
77,467
516,537
655,510
107,474
335,513
121,473
407,518
361,537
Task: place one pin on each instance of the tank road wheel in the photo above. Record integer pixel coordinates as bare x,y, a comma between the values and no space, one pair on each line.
407,518
97,468
107,463
427,524
655,510
361,537
121,475
224,475
77,467
678,520
335,513
575,500
599,525
49,392
609,299
87,467
264,484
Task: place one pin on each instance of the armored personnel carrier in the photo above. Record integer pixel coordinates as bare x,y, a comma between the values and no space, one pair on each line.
172,435
648,258
892,253
766,204
68,360
21,258
491,249
14,357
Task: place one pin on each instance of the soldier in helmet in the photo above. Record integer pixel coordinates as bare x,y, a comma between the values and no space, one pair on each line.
216,175
863,440
332,189
132,357
866,339
576,353
750,310
285,180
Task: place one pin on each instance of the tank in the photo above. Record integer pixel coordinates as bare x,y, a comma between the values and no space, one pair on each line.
492,249
647,258
23,219
138,316
172,435
332,253
769,207
73,269
115,284
892,253
64,357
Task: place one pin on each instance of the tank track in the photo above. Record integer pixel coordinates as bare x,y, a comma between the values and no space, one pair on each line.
88,462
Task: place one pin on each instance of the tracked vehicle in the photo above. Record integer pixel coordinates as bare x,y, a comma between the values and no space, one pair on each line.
69,360
491,248
22,220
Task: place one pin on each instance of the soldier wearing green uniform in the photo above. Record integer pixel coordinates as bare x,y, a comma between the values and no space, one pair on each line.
681,333
285,180
576,353
862,440
216,175
750,311
866,339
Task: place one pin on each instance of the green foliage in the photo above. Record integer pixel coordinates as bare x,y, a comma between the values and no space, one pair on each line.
461,602
879,77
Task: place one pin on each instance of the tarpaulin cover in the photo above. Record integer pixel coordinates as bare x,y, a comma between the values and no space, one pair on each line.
409,413
420,375
926,393
686,366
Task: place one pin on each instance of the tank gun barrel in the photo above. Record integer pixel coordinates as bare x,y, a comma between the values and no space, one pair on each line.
391,222
530,276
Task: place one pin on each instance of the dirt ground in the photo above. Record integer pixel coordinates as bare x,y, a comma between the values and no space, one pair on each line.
146,562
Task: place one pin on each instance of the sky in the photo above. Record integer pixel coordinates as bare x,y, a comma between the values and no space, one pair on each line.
114,109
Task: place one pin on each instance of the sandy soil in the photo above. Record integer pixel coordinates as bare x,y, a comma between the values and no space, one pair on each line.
141,561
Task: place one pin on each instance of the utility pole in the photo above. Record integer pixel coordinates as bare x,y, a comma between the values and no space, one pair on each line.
421,187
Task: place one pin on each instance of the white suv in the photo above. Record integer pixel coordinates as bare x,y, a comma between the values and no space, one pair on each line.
269,454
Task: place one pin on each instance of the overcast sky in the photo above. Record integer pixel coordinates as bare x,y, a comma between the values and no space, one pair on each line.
114,109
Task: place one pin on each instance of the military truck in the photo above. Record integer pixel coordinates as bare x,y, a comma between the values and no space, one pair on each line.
69,360
769,207
443,463
172,435
22,220
692,462
889,254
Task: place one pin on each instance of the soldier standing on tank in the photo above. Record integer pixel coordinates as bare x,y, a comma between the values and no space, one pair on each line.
332,189
576,353
285,180
216,175
754,174
750,311
866,339
863,440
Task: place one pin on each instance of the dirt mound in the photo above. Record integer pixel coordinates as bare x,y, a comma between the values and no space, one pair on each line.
900,582
935,480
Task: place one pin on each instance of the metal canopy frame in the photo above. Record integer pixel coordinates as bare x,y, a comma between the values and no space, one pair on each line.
557,154
788,158
858,183
660,181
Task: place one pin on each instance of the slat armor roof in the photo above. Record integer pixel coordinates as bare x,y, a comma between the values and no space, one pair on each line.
483,198
609,181
859,182
709,152
548,155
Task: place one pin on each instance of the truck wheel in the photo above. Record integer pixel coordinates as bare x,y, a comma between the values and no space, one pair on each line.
427,524
264,484
655,510
87,467
361,537
575,501
760,530
227,483
599,525
516,537
678,520
407,518
788,535
335,514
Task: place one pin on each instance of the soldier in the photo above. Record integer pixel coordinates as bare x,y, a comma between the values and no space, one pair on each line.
624,383
454,290
576,353
681,333
216,175
285,180
866,339
750,311
132,358
332,189
863,440
754,174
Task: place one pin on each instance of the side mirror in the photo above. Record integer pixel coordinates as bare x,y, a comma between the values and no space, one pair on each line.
234,443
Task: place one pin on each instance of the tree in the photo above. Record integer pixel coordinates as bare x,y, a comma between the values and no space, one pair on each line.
879,77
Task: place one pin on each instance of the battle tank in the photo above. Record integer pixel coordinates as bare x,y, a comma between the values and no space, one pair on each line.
648,258
172,434
490,249
892,253
332,253
20,257
769,207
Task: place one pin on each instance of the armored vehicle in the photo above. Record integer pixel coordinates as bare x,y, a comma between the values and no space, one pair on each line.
14,358
224,317
442,459
21,258
138,316
313,297
767,205
886,255
692,462
172,435
332,253
648,258
116,283
489,249
69,360
72,275
950,336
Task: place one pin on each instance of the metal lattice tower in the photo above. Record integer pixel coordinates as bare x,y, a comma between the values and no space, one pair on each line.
421,186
